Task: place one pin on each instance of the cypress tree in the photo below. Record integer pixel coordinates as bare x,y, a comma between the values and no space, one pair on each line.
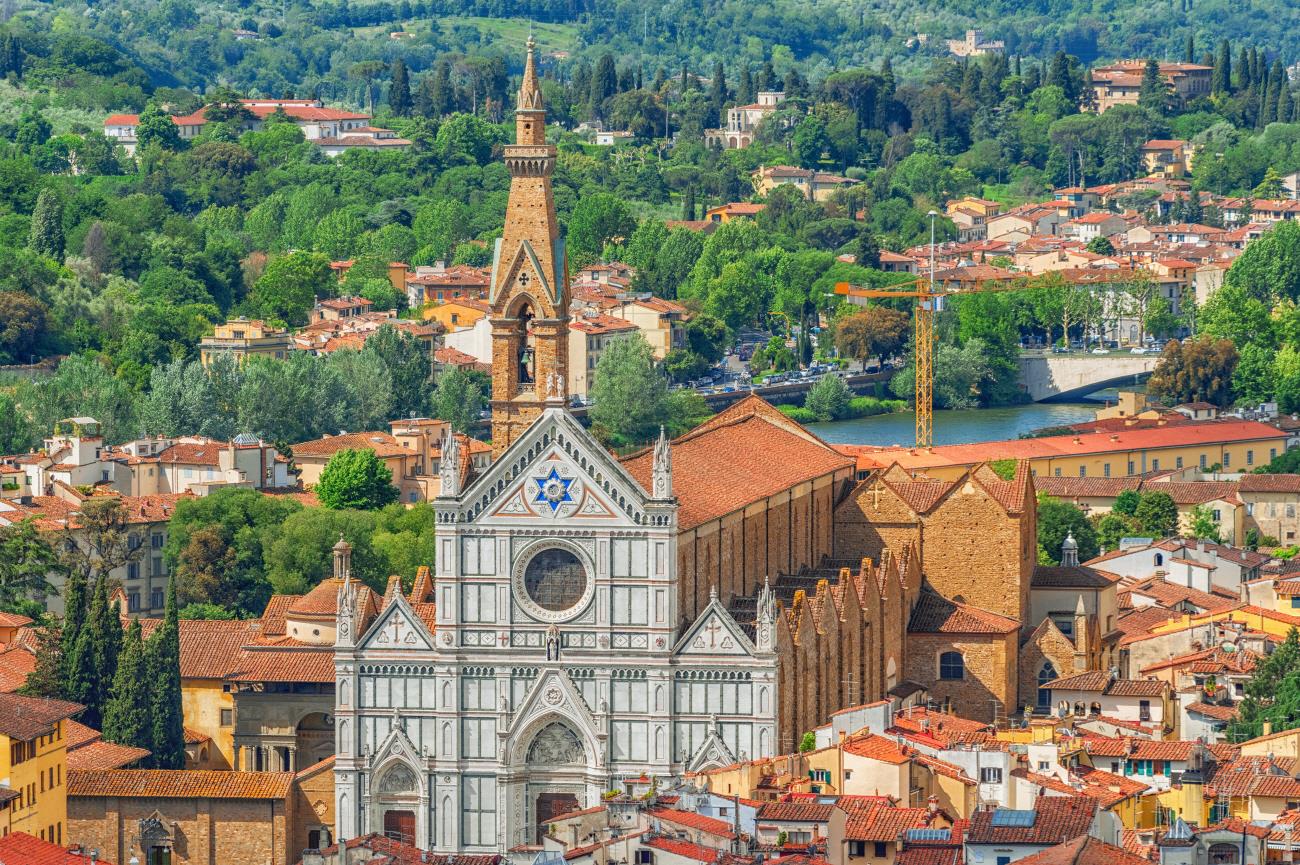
1189,50
399,89
660,80
718,90
47,225
106,641
604,83
126,714
75,603
1221,80
1284,106
745,92
1243,68
688,204
80,685
164,653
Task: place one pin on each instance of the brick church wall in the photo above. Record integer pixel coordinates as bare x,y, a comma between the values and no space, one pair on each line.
991,672
206,831
973,550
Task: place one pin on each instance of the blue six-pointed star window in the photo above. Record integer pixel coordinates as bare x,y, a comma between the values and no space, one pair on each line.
553,490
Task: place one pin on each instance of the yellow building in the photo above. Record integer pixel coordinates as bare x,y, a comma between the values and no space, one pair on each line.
456,314
1233,445
34,765
242,338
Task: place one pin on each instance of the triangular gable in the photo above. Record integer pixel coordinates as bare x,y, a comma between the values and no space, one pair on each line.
397,628
713,753
397,747
553,695
714,632
524,250
588,483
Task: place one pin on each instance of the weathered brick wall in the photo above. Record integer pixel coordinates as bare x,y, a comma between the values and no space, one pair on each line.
991,670
1047,643
206,831
973,550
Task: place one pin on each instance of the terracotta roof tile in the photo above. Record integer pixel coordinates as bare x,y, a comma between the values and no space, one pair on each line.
210,649
178,784
1056,819
379,441
875,747
1067,577
745,454
881,823
28,718
692,820
105,755
23,849
390,852
798,812
935,614
296,664
1269,484
15,664
77,734
1084,850
929,855
685,849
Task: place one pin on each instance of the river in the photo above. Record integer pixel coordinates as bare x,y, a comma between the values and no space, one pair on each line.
956,427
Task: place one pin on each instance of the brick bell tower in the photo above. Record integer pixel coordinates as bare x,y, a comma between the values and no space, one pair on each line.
529,297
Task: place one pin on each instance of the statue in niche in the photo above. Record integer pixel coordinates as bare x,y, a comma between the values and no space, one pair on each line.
552,643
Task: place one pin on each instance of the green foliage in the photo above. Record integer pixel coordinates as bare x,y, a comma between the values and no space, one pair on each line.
1203,524
47,225
163,653
828,399
356,479
1156,514
1056,520
1113,527
808,742
1126,502
289,286
629,396
1195,370
1005,469
126,716
26,560
458,399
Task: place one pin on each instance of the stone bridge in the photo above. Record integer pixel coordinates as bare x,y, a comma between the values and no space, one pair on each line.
1072,376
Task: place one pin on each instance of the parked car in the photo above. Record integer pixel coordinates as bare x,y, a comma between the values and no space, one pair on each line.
1100,350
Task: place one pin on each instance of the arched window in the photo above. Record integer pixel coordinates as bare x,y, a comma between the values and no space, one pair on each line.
1046,674
952,666
1224,854
1160,559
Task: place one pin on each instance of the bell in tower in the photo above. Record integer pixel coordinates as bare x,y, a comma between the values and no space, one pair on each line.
529,297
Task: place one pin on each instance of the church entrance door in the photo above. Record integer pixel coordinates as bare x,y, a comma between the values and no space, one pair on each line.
400,826
550,806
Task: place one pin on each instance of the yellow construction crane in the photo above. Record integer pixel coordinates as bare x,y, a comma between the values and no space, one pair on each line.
929,300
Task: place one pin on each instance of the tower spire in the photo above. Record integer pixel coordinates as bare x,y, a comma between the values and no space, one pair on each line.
530,90
529,297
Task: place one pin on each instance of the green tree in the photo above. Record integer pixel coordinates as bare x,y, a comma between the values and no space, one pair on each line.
1101,246
602,218
356,479
458,399
155,128
290,285
399,89
1153,95
828,399
163,653
1203,524
629,395
876,331
407,363
1113,527
1056,520
47,225
26,560
1126,502
1156,514
1195,370
126,715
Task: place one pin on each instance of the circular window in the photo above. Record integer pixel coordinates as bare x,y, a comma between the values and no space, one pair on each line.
555,579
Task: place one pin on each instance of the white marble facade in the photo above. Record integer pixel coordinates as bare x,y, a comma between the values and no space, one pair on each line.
556,668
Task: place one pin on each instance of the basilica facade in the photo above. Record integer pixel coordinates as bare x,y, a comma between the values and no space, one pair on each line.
545,659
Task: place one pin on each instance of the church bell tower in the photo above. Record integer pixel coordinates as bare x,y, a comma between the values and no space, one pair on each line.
529,297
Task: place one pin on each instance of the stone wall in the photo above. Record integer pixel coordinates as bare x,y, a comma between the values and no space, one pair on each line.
991,672
206,831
